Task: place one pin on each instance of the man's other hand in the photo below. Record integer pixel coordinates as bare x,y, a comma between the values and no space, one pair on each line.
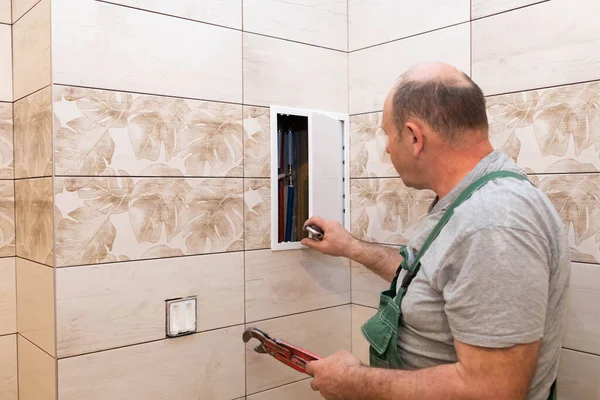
337,241
331,374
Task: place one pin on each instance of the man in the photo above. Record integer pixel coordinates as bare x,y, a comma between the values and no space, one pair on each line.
482,313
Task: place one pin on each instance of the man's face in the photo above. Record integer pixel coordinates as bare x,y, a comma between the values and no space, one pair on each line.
399,144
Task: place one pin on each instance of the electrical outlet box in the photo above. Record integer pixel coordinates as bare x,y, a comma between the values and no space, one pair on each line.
310,172
181,316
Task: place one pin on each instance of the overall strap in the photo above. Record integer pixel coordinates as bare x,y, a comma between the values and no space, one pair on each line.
465,195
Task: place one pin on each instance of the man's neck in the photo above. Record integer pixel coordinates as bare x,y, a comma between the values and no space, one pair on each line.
454,165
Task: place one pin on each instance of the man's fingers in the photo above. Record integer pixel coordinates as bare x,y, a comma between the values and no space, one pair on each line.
313,386
314,220
311,244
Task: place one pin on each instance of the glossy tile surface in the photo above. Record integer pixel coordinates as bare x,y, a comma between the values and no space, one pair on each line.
108,306
360,346
257,142
307,21
207,365
385,210
101,132
219,12
8,296
372,22
366,285
8,368
5,12
322,332
34,212
5,63
368,141
374,71
482,8
37,372
20,7
33,135
122,218
578,376
7,219
294,391
6,141
279,72
157,54
32,50
257,211
280,283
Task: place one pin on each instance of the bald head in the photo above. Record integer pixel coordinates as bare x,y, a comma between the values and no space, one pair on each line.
444,98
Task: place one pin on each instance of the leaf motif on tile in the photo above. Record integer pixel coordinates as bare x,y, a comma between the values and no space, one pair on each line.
157,203
7,223
215,216
579,256
156,124
108,195
162,252
364,192
213,143
396,203
34,219
257,145
513,110
84,236
111,258
83,148
360,227
106,108
366,131
358,166
257,211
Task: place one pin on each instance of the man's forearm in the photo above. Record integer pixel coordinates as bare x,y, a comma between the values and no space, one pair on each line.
382,260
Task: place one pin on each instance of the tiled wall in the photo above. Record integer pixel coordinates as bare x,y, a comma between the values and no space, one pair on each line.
536,63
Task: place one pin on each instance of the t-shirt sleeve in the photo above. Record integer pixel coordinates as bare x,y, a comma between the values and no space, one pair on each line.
495,287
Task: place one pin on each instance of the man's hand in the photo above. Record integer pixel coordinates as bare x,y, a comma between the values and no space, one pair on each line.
331,374
337,241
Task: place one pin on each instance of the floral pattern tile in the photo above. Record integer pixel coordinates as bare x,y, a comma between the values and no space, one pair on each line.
367,148
33,135
99,132
118,217
257,211
541,127
34,225
384,210
257,142
6,141
7,219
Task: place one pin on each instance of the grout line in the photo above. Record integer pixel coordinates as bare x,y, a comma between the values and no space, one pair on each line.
150,341
29,94
53,357
9,334
362,305
5,23
295,41
585,262
139,177
5,257
31,178
565,173
112,263
509,10
410,36
25,13
581,351
18,374
34,262
253,322
277,387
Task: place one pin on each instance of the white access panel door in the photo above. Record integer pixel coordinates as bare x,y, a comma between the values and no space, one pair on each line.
326,167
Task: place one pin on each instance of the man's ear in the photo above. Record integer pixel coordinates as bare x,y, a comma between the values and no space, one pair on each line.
416,137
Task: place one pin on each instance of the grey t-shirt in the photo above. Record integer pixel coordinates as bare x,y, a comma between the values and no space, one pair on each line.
496,276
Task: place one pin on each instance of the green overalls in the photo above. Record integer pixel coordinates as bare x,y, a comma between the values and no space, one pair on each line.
381,331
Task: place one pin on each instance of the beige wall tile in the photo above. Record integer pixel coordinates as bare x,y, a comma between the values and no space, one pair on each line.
35,304
182,58
122,218
321,332
220,12
576,199
295,391
7,218
376,21
368,157
5,12
257,211
8,297
481,8
31,51
537,47
99,132
374,71
6,141
20,7
102,307
555,129
360,346
313,21
33,135
34,212
8,367
583,323
366,285
37,372
6,93
286,282
578,376
385,210
257,142
206,365
279,72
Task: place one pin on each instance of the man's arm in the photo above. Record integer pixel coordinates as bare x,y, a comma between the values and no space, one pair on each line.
480,374
337,241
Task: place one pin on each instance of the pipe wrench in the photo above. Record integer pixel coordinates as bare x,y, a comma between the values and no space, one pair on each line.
288,354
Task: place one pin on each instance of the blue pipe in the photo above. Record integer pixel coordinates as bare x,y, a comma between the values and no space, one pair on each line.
290,210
